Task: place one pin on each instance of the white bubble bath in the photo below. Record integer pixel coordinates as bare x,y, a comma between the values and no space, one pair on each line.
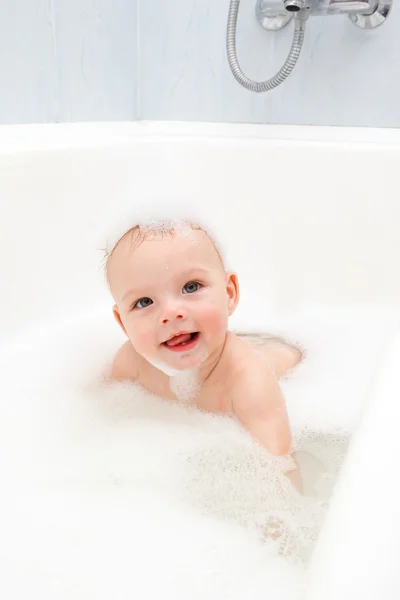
111,493
109,490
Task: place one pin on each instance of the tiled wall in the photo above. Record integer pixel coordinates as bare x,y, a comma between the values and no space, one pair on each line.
75,60
345,75
67,60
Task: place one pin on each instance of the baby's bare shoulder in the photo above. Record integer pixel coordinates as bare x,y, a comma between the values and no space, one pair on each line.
126,363
281,356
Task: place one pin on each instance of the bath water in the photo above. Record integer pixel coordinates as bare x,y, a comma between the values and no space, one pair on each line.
110,492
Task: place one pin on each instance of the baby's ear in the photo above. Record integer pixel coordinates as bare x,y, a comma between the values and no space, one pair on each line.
232,289
117,317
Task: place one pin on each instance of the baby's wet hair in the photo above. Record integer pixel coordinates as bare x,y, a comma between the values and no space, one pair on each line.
160,228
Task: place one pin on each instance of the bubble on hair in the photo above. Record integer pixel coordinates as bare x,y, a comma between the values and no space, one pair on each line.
162,227
158,219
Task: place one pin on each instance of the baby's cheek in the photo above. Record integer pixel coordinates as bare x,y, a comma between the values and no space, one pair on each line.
214,319
141,336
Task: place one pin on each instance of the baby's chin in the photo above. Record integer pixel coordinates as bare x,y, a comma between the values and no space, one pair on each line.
182,363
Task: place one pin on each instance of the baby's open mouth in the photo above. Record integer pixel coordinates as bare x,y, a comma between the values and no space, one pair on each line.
182,341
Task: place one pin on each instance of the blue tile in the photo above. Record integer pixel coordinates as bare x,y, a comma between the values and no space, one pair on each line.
96,49
184,73
27,63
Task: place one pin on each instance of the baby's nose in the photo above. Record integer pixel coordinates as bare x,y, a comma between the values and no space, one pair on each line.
171,313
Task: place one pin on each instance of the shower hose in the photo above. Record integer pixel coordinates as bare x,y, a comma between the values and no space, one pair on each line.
278,78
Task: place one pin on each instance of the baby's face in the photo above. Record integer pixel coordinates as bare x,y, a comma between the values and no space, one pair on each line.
173,297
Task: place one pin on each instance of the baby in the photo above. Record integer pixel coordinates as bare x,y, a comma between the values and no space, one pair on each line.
173,298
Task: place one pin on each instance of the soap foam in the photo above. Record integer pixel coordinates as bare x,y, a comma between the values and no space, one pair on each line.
186,385
158,217
110,491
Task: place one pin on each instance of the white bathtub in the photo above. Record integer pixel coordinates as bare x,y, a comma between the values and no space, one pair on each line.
315,215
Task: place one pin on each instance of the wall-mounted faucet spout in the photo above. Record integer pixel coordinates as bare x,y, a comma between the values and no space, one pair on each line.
294,5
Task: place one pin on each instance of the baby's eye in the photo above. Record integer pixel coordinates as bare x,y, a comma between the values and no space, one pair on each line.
191,287
143,303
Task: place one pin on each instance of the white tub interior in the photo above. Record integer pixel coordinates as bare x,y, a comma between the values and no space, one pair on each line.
109,494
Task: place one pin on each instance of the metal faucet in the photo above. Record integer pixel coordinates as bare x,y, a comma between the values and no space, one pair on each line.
367,14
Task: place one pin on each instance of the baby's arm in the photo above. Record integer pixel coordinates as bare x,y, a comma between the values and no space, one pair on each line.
257,399
260,406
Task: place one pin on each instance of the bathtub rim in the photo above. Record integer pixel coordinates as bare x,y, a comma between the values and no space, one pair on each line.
62,136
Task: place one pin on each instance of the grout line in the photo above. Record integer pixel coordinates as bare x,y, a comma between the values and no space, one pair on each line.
137,116
57,113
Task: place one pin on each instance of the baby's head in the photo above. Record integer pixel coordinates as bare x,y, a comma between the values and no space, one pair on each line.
172,294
